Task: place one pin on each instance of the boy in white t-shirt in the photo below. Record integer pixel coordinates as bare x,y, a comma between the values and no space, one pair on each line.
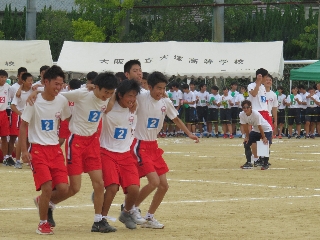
239,99
272,101
213,111
45,155
189,102
225,113
202,108
311,112
303,93
294,102
281,110
234,108
4,121
261,130
18,105
152,108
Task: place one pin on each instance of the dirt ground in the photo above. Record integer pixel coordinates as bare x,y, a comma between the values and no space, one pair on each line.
210,197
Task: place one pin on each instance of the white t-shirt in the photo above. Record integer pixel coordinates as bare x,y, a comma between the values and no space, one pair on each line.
240,98
203,98
20,102
217,99
255,119
294,104
259,102
190,97
176,97
311,103
150,116
117,129
280,101
234,98
86,112
271,101
4,96
304,99
225,99
43,118
12,91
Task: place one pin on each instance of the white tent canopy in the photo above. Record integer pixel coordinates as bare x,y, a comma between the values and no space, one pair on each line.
29,54
199,59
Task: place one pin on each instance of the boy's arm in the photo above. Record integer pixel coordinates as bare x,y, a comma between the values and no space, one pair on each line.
246,131
26,156
254,92
15,109
183,127
18,93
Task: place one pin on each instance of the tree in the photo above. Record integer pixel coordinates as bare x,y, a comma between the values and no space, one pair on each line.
87,31
56,27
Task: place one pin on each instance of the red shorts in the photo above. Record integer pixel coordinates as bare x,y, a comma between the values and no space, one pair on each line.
64,131
149,157
83,154
47,164
14,124
119,168
266,116
4,124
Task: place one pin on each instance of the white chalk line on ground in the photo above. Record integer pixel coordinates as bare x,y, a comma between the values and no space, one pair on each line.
241,184
178,202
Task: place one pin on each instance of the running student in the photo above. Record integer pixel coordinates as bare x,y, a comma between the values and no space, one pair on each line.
4,121
150,115
261,130
118,165
18,105
281,110
45,156
311,113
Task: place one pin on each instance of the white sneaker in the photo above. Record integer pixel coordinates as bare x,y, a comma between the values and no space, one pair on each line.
137,216
152,223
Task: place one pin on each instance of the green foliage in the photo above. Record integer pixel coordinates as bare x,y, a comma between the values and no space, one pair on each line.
56,27
13,24
1,35
87,31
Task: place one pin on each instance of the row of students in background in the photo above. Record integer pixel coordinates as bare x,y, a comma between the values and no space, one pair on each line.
201,108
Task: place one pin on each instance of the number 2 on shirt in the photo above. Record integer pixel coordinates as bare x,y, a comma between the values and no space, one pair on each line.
263,99
2,99
47,125
120,133
153,122
94,116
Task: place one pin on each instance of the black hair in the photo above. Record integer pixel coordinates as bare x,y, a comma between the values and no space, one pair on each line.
22,69
53,72
310,88
175,84
155,78
126,86
106,80
262,71
121,76
74,84
43,68
243,87
215,88
246,102
301,86
192,82
225,88
234,83
145,75
92,75
293,87
269,75
201,85
25,76
280,88
185,86
128,65
3,73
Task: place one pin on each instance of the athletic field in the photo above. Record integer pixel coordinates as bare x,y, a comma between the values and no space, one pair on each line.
209,197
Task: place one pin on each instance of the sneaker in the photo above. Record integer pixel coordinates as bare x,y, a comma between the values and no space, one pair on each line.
209,135
231,136
152,223
18,165
243,136
225,136
102,226
289,136
247,165
258,163
312,136
44,229
280,137
217,135
50,217
4,162
265,167
127,219
298,137
136,214
10,162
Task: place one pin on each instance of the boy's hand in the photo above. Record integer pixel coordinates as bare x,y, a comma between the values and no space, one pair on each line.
26,157
194,137
32,98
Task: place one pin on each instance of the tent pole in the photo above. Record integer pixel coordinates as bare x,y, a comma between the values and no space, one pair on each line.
290,87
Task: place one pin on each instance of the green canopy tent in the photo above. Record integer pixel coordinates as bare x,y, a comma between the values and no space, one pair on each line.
307,73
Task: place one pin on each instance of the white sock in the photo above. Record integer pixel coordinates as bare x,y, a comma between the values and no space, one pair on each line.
97,217
43,222
255,159
52,205
18,160
149,216
6,156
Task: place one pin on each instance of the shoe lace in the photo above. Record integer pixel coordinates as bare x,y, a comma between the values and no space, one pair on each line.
136,214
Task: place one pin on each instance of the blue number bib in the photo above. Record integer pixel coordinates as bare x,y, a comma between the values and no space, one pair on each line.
153,122
94,116
47,125
120,133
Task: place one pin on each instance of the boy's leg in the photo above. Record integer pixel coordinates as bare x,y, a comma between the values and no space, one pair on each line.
109,195
4,146
153,183
46,191
98,188
159,194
